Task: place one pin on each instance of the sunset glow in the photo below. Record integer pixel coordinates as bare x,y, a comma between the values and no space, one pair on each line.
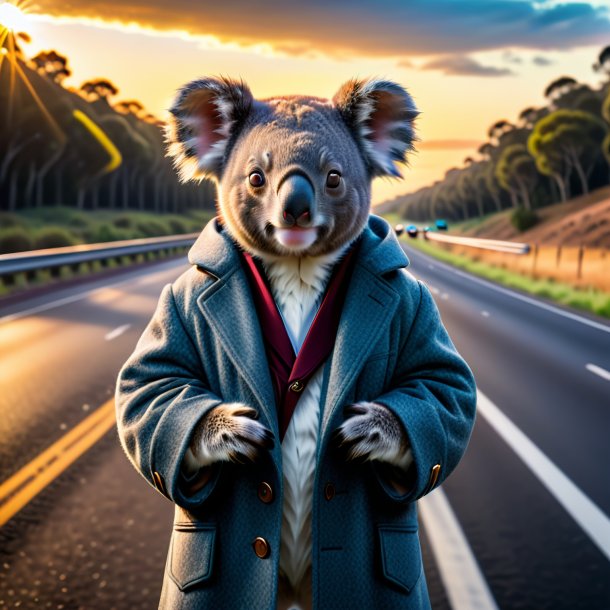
12,17
461,80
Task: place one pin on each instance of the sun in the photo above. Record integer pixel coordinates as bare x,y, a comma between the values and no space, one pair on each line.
12,17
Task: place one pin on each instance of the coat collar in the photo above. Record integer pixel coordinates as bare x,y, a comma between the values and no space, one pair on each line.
369,306
215,251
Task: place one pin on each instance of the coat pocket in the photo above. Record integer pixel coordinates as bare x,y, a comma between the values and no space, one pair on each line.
401,561
191,553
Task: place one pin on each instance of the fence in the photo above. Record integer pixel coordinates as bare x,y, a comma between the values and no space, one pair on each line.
578,266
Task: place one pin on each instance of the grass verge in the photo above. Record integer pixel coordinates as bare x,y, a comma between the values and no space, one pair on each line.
594,301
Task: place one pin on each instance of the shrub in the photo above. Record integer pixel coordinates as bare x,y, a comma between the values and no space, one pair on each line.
10,220
152,228
123,222
54,237
177,225
107,232
523,219
15,239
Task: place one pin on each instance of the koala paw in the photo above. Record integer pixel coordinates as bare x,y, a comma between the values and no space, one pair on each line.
229,433
372,432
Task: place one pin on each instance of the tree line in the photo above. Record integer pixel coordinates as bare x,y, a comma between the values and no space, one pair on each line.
78,147
549,154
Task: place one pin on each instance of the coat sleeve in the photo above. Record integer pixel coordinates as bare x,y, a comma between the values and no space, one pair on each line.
433,393
161,395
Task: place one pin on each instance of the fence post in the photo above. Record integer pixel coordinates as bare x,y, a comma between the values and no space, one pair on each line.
581,253
558,256
534,262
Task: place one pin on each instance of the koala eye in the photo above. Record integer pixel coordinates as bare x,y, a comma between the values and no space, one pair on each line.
333,180
256,179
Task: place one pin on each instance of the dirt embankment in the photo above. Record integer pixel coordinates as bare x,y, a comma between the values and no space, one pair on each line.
583,220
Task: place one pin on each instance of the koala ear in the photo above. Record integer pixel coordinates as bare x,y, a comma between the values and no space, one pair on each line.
381,115
206,113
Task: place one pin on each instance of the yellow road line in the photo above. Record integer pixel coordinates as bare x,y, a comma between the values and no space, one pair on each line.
28,482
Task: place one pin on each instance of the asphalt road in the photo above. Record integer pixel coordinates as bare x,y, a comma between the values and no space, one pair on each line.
97,536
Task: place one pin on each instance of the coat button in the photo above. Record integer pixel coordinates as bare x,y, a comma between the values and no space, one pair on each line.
261,548
297,386
329,491
265,493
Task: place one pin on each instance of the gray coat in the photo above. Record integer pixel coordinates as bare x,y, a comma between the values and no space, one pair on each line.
204,346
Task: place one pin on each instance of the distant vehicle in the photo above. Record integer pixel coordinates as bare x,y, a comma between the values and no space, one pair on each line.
412,231
441,225
399,229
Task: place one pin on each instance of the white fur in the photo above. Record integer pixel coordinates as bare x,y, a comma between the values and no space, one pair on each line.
297,286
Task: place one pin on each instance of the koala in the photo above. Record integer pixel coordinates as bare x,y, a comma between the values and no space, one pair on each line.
294,182
295,392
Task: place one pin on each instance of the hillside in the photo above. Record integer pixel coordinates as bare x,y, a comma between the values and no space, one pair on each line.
584,219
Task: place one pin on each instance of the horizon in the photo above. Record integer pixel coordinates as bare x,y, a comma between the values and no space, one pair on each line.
463,79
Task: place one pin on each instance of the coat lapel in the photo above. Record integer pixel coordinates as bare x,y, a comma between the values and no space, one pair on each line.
229,310
369,306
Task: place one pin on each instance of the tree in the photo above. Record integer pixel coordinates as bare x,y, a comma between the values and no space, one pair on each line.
558,87
516,173
603,61
99,88
51,63
564,141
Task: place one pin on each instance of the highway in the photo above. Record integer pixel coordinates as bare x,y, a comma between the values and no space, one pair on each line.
522,522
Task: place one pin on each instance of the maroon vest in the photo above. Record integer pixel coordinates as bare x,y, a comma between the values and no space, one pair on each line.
290,372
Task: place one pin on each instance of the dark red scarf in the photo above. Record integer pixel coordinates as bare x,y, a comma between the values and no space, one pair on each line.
289,372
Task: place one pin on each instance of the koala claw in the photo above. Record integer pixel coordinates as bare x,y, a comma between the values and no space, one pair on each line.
229,433
372,432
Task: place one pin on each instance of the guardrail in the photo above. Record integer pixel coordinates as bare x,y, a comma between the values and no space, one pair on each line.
54,259
474,242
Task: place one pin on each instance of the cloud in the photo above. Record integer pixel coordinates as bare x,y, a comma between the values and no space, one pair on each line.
539,60
356,27
511,58
464,66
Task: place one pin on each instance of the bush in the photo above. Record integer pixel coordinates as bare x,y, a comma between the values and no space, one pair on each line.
123,222
54,237
15,239
177,225
523,219
10,220
106,232
152,228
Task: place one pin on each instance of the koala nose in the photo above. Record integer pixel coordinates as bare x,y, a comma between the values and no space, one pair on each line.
297,199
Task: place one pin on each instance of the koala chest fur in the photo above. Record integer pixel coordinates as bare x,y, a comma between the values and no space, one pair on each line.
297,286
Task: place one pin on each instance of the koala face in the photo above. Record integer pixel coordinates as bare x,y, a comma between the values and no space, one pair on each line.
293,173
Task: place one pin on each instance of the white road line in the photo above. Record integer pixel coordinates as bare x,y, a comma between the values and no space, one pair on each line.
71,299
590,518
598,370
485,314
464,582
516,295
117,332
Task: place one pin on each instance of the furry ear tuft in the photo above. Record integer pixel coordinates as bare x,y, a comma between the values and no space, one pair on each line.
381,114
206,114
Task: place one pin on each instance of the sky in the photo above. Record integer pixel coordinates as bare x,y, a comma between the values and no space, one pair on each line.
467,63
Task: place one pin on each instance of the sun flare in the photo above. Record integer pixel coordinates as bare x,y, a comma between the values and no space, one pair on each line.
12,17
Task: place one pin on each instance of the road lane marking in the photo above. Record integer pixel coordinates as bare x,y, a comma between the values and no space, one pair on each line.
117,332
464,582
76,297
485,314
598,370
19,489
590,518
522,297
